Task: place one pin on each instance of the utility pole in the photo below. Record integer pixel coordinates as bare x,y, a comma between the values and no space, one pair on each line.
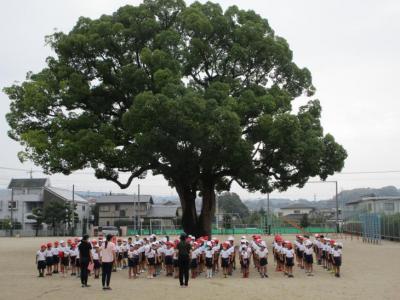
336,199
337,208
216,212
268,216
73,209
138,205
12,212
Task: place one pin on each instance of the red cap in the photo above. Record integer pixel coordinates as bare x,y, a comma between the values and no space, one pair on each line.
69,241
49,244
332,242
56,243
43,246
94,242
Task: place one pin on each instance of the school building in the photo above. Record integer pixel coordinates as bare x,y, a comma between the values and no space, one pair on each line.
134,210
386,205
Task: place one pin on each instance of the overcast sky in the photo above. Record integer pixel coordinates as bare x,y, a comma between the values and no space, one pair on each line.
351,47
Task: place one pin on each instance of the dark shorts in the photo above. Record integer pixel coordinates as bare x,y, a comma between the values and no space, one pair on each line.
41,264
49,261
224,262
119,257
245,263
65,261
72,260
209,262
97,264
289,261
301,254
152,261
125,254
338,261
308,258
77,262
193,263
298,252
263,261
56,259
131,263
168,260
323,254
176,264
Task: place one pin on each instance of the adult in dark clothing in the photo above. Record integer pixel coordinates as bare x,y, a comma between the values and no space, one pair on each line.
85,257
184,250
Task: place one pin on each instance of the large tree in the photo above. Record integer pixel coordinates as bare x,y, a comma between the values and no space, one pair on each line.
197,94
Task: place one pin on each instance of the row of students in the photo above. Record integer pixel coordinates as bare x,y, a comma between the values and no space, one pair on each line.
151,255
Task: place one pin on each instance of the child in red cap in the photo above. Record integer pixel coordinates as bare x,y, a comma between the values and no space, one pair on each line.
49,259
41,260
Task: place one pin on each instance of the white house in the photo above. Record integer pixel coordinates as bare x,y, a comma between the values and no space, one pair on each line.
295,211
34,192
387,205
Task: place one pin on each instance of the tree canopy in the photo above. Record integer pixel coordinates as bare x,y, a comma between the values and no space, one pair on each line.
197,94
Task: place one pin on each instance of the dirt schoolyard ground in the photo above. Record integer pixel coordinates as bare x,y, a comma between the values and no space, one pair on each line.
368,272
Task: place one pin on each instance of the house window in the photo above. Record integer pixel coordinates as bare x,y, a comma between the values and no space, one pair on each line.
12,204
122,213
116,207
388,206
104,208
296,211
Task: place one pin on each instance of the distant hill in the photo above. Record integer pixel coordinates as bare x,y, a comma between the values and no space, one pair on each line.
343,197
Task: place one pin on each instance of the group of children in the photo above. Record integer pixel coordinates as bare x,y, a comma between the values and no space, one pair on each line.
208,255
328,253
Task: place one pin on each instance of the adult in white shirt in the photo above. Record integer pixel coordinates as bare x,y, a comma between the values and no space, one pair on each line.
107,258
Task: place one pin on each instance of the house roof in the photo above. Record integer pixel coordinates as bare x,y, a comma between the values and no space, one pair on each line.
124,199
66,195
365,199
162,211
298,206
28,183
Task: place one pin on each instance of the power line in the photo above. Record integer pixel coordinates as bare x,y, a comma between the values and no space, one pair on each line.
92,173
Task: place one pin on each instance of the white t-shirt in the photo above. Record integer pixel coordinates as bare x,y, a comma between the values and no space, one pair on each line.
169,252
41,255
55,251
302,247
244,254
209,253
289,253
337,253
262,253
151,253
216,249
74,252
225,253
95,255
107,254
196,253
49,253
65,250
231,250
308,251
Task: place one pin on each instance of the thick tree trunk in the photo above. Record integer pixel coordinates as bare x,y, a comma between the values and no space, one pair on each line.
207,210
191,223
189,215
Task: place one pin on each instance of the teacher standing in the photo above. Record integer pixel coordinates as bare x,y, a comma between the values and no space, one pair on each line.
107,260
85,257
184,249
